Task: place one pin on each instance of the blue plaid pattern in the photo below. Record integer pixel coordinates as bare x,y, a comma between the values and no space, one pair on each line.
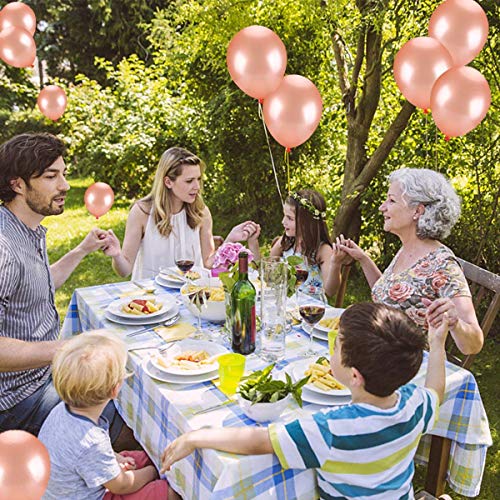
159,412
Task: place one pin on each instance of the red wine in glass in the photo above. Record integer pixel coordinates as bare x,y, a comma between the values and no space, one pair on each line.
184,265
301,276
312,313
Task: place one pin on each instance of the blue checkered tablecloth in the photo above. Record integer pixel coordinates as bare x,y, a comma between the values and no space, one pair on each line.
158,412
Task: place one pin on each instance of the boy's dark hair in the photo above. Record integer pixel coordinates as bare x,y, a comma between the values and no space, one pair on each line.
383,344
26,156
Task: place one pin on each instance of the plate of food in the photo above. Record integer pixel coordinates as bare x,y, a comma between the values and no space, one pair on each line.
330,320
142,320
208,293
189,357
320,399
172,276
141,307
153,372
321,379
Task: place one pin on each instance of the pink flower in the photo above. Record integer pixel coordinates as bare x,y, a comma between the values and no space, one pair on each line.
424,269
227,255
439,280
400,292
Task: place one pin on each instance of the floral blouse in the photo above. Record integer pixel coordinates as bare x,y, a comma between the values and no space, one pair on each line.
437,274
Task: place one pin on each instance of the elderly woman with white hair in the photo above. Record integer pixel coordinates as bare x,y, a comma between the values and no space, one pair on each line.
424,279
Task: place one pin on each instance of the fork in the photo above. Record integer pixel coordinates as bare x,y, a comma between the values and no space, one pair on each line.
161,350
144,329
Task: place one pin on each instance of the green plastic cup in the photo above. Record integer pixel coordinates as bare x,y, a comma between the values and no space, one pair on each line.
332,335
231,368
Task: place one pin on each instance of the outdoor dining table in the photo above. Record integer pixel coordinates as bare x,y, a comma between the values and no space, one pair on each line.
158,412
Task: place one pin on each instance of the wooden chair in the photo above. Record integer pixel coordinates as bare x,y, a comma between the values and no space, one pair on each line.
485,289
344,274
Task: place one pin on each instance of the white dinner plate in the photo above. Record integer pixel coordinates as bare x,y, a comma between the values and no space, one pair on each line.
320,399
315,333
153,372
170,284
166,301
143,320
211,348
330,312
298,370
172,274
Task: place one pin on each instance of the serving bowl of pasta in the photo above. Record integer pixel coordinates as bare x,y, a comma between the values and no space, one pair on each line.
208,295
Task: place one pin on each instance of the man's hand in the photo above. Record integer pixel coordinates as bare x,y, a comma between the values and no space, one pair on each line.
93,241
111,246
175,451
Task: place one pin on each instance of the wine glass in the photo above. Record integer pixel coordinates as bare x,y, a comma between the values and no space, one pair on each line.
312,305
184,258
198,299
301,275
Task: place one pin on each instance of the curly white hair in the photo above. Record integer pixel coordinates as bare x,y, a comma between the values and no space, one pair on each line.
434,191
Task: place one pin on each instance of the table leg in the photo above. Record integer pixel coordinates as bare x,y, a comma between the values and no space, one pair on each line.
439,458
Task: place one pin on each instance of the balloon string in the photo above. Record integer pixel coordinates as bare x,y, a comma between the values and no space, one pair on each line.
436,147
261,116
427,144
286,160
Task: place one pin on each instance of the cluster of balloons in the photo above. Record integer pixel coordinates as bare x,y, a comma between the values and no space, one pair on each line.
18,49
99,198
24,466
292,105
431,73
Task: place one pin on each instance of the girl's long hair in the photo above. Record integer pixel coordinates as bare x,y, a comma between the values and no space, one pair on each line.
310,231
160,198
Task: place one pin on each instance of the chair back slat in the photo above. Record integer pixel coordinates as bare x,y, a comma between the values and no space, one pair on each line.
484,286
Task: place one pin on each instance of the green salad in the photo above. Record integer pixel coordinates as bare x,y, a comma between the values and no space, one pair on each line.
260,387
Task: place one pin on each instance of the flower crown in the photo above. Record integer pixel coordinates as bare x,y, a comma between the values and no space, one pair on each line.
307,204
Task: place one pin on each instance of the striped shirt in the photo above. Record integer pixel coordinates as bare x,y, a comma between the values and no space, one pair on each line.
27,307
360,451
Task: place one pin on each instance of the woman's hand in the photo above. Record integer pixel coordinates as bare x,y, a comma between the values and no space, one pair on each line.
245,231
350,248
175,451
339,256
111,246
438,308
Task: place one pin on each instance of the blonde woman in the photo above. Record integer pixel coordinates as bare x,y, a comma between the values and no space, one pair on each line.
172,215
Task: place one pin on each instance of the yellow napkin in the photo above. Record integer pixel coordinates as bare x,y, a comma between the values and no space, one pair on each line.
178,331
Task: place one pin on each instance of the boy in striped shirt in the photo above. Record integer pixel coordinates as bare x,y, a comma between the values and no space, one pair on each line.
363,450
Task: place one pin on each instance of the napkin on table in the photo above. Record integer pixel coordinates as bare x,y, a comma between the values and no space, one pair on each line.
178,331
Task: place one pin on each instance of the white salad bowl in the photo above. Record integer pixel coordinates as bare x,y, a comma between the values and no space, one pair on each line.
211,310
263,412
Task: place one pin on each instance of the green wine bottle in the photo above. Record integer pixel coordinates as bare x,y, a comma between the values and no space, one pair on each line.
243,310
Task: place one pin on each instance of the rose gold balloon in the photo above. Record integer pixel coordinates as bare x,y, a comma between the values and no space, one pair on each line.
256,59
292,112
460,100
52,101
462,27
19,15
417,66
17,47
24,466
99,199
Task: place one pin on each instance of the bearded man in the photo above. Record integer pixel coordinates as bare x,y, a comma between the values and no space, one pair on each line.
32,186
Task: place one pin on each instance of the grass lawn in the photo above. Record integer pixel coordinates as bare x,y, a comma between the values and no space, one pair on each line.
68,229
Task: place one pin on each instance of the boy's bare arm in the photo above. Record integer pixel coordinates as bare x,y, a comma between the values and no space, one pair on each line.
131,481
436,374
243,440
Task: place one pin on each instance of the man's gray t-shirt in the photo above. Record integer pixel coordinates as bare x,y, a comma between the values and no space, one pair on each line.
81,456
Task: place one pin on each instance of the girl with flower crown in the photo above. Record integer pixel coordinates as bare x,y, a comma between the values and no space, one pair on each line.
306,235
172,214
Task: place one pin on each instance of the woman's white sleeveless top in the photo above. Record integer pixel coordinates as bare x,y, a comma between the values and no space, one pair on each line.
157,251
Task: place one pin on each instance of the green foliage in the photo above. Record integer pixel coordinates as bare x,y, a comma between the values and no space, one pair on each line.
260,387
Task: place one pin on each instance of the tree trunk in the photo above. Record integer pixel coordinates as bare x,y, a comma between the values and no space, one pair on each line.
360,109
